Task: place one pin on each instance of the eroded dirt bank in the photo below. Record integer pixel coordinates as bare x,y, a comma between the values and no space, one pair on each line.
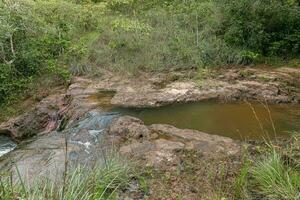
80,117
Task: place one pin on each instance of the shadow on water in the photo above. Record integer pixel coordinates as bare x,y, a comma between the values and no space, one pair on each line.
235,120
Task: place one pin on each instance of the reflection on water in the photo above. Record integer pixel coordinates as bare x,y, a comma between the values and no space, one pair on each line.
6,145
235,120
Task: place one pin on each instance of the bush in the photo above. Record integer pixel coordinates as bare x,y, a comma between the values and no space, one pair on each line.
26,46
35,37
183,34
130,35
269,27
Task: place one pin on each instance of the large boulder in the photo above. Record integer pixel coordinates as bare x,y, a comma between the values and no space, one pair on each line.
129,128
43,116
159,142
207,144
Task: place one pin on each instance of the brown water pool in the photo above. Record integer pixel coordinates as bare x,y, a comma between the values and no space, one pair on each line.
236,120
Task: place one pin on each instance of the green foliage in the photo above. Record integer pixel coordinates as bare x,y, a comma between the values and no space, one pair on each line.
52,37
267,27
27,45
275,180
241,181
160,35
101,182
37,39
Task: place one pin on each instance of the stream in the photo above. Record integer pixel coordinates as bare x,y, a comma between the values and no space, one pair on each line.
6,145
237,120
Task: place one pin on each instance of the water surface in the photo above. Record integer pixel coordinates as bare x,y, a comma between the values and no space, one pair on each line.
6,145
235,120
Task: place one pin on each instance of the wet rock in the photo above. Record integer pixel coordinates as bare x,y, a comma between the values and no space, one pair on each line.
45,156
6,145
79,93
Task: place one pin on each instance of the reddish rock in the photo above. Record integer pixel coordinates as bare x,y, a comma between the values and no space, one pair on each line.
44,115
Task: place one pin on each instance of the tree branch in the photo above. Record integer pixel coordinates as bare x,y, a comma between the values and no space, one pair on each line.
12,45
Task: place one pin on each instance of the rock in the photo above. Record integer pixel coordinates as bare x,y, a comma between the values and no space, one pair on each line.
137,148
206,143
168,145
166,141
44,157
156,144
36,120
151,97
233,84
153,152
129,128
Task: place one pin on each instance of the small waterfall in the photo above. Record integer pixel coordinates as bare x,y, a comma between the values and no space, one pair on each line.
6,144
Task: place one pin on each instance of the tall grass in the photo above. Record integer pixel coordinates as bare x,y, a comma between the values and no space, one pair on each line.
103,181
275,180
271,177
182,34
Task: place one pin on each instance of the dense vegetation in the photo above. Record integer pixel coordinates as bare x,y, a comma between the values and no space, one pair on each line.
55,37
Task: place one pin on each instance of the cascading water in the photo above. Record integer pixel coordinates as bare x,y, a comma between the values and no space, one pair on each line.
6,145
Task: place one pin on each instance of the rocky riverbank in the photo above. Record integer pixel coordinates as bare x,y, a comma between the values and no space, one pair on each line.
78,121
151,90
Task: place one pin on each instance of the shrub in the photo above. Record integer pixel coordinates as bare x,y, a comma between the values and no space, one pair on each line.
130,35
36,36
267,27
161,35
